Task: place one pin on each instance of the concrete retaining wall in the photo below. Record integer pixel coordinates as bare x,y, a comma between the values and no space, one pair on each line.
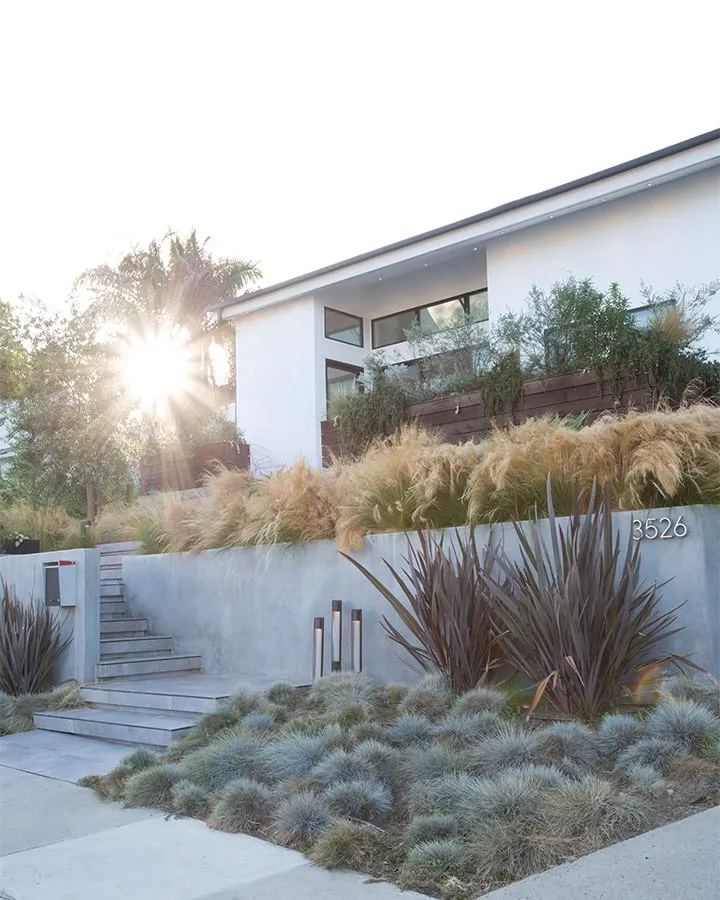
249,611
25,574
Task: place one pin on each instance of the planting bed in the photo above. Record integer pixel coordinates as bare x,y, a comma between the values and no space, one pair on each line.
450,795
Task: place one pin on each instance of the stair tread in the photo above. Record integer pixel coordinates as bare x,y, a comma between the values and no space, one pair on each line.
172,656
126,716
136,637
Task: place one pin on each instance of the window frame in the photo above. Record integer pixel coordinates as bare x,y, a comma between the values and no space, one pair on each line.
344,367
464,299
342,312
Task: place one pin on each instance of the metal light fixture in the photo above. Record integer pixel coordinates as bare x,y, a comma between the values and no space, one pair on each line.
336,637
318,648
356,640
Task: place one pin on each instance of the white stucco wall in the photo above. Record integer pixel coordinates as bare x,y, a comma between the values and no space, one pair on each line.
659,236
276,386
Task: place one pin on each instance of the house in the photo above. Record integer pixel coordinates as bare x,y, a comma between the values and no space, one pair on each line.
652,220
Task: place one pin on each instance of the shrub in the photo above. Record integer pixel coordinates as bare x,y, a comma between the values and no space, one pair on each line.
16,712
481,699
337,691
445,607
351,845
426,762
617,732
189,799
515,793
410,730
578,622
440,795
595,805
231,756
366,799
30,644
509,746
568,740
301,819
656,752
244,805
140,759
705,692
350,716
258,721
152,787
646,779
430,828
686,723
441,854
463,729
294,756
282,693
425,702
386,761
341,766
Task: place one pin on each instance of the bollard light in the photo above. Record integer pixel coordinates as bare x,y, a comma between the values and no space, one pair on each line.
318,648
356,640
336,637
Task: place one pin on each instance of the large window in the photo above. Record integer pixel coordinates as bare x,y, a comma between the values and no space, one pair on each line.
339,378
344,327
432,317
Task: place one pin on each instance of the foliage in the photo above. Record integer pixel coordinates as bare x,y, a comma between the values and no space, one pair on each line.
366,799
445,608
189,800
17,711
409,729
705,691
31,643
505,748
661,753
340,765
430,828
595,804
568,740
244,805
426,762
152,787
295,755
481,699
301,819
618,731
460,729
376,411
351,845
578,622
140,759
13,355
51,525
230,756
686,723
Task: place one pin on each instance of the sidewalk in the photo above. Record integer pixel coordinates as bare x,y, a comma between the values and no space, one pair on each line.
60,842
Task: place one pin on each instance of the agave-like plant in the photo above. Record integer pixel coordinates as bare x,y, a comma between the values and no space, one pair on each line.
445,608
577,620
30,644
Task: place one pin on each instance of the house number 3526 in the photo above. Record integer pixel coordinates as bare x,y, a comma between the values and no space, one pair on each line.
664,529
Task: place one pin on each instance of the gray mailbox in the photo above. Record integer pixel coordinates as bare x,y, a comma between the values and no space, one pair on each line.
60,581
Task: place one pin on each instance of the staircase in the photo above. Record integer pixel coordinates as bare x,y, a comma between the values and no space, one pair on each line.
159,699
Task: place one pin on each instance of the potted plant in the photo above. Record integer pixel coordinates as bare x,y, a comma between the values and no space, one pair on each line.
20,543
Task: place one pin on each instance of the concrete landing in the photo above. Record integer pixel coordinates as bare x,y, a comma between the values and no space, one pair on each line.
62,756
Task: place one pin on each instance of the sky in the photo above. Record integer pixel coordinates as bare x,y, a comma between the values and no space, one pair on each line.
296,134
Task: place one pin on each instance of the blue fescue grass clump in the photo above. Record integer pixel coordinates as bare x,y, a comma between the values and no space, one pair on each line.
443,854
656,752
231,756
421,763
258,721
241,703
514,793
595,804
282,693
481,699
338,691
190,799
439,795
432,696
340,765
462,729
244,805
297,754
508,747
351,845
705,690
301,819
686,723
408,730
646,779
139,759
617,732
366,799
568,740
152,787
430,828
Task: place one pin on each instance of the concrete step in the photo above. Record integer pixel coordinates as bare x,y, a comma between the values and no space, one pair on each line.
168,696
124,548
113,608
151,665
111,588
130,726
135,647
125,627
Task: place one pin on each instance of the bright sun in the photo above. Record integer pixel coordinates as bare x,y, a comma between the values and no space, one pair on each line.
157,369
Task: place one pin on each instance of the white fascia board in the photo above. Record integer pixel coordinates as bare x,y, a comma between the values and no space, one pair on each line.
658,171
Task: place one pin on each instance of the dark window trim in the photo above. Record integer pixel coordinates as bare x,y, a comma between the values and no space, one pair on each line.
350,315
465,298
344,367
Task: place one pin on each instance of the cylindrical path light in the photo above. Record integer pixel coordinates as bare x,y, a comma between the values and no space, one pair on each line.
336,637
318,648
356,640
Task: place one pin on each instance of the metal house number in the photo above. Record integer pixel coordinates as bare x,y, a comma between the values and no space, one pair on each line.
666,528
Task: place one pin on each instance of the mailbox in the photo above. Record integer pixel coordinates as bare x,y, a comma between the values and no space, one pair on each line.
60,581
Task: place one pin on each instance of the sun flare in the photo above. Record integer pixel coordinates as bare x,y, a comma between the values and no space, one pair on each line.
156,369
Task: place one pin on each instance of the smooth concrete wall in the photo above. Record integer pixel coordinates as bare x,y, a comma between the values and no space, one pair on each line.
249,611
24,573
666,234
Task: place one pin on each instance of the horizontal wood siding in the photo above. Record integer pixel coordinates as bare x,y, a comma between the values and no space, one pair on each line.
462,417
174,472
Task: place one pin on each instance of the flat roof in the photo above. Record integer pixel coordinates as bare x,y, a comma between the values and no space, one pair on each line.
696,141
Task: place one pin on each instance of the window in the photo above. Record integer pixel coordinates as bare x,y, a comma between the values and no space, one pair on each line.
344,327
339,378
433,316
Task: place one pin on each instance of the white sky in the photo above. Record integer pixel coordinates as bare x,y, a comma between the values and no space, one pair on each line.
299,133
